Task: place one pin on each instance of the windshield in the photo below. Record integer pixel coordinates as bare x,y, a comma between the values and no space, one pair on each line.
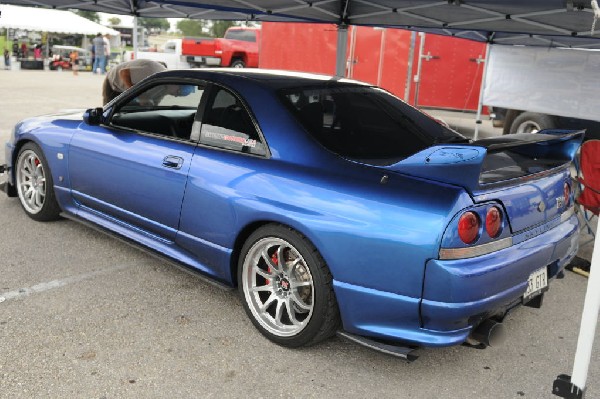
365,124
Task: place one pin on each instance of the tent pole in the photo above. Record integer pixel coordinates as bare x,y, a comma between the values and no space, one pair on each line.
381,58
574,387
342,48
419,64
481,91
135,37
409,70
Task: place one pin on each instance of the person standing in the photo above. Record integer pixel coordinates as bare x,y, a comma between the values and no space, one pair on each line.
6,59
74,57
37,52
107,48
23,50
99,54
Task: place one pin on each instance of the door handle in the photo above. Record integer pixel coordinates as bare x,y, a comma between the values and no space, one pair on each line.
172,162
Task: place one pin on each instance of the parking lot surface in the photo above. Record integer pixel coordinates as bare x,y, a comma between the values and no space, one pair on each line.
83,315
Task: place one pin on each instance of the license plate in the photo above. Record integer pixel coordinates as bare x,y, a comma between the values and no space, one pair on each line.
538,280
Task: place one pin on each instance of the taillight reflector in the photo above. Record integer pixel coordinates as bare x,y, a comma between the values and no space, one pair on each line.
493,222
468,227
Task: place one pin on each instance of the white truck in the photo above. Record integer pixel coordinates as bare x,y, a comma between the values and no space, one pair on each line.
171,55
544,88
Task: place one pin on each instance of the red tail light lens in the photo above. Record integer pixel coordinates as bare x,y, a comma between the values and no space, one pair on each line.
493,222
567,195
468,227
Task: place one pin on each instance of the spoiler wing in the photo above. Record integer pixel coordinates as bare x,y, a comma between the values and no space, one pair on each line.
463,164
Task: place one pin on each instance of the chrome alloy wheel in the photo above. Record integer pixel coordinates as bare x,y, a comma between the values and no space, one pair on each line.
278,287
31,181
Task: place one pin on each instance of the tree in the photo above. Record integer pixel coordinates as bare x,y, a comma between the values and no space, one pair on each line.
114,21
218,28
154,23
191,27
91,15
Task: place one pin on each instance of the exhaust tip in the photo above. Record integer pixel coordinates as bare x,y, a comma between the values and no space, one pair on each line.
490,333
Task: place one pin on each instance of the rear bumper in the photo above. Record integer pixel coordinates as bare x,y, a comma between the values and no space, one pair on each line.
203,60
460,294
457,294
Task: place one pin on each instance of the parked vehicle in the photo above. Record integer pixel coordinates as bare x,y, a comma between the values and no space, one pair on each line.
448,75
331,204
237,49
61,58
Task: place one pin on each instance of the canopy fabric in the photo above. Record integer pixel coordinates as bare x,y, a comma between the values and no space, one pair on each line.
46,20
554,23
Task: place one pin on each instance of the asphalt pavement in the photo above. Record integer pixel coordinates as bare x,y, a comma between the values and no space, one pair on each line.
86,316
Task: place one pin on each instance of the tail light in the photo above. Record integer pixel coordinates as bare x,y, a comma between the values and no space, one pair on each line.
493,222
468,227
567,195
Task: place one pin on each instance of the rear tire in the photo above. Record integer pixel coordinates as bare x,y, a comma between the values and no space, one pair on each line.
34,184
286,288
531,122
238,64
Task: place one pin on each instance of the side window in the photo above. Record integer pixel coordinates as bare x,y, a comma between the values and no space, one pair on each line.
226,124
164,109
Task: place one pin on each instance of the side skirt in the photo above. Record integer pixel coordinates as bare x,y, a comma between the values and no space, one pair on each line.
180,265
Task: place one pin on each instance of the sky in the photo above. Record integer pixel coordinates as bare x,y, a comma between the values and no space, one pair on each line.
127,20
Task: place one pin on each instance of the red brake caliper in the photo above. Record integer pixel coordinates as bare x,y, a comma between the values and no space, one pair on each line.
36,162
275,260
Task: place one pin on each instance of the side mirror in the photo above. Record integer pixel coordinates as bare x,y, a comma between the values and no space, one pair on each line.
93,116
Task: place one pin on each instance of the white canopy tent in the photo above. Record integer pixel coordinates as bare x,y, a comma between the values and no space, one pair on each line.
48,20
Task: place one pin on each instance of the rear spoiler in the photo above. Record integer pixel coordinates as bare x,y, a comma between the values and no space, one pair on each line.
461,164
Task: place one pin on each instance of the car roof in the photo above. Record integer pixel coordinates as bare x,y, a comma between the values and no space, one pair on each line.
274,79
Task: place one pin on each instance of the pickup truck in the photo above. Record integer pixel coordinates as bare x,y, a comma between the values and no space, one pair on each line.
237,49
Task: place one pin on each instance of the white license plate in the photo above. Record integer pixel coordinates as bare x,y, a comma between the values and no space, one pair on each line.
538,280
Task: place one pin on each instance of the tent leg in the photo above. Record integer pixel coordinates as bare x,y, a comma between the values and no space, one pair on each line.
574,387
419,64
481,90
409,70
135,38
342,48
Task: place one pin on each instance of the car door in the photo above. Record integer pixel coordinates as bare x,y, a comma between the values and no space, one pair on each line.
230,150
133,169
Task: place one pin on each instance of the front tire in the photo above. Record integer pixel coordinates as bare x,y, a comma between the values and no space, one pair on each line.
35,187
286,287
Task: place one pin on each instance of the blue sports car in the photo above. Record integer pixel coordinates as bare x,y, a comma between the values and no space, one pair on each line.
331,204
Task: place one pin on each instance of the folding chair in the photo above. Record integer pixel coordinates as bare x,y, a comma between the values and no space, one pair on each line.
587,195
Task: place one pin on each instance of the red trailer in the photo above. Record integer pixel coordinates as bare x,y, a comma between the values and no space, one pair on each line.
448,76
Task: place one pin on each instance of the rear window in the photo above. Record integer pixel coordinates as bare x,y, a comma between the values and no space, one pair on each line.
241,34
365,124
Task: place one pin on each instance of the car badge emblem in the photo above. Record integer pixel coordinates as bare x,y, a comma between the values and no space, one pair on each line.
541,206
